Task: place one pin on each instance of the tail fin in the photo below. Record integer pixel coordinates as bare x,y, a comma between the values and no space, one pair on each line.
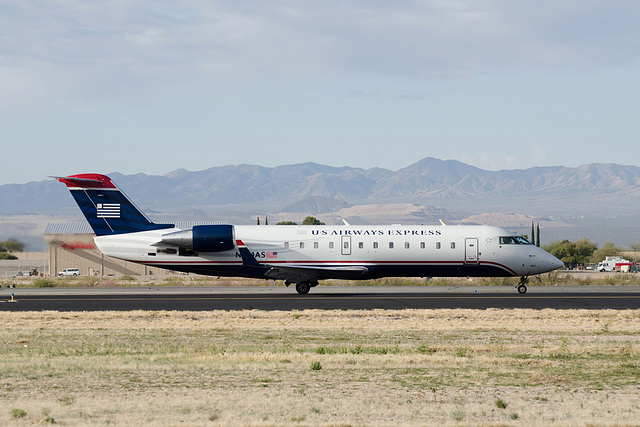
108,210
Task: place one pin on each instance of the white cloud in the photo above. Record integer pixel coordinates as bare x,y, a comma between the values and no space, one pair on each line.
407,38
122,71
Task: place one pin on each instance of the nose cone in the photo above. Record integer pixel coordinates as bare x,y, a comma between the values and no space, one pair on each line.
553,262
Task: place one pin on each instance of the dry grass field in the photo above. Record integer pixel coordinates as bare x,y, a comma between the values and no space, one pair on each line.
411,367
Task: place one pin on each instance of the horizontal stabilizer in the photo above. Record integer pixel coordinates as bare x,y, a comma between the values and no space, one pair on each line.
95,182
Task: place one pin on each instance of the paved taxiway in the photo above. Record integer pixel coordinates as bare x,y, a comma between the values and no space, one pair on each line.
332,298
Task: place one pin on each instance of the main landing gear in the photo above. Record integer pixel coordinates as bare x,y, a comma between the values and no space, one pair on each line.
522,284
304,287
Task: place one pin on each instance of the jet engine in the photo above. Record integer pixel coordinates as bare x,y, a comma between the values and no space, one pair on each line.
203,238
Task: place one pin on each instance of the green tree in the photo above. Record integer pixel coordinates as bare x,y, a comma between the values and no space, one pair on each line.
310,220
572,253
585,249
258,220
11,245
635,247
533,237
538,235
7,255
608,249
286,223
562,250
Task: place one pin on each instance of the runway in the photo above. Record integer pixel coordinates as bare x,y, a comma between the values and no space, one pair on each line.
324,298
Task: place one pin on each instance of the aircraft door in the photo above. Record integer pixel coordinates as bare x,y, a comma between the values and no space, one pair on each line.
471,251
346,245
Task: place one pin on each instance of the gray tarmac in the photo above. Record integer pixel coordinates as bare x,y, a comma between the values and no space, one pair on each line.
327,298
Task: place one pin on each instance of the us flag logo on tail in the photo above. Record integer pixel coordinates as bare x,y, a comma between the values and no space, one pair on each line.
108,210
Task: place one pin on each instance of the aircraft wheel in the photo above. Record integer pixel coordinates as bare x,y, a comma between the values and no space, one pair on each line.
303,288
522,284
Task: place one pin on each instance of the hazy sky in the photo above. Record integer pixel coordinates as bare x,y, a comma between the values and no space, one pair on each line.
153,86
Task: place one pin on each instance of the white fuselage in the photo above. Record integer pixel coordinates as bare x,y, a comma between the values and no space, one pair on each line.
402,250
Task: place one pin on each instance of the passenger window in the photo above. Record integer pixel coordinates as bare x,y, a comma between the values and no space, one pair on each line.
301,245
286,245
360,245
315,245
330,245
406,245
438,245
422,245
375,245
453,245
390,245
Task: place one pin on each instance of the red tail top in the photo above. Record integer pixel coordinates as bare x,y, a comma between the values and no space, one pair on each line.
86,180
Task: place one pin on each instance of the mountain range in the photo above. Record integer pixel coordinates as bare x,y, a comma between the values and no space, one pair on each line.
430,188
315,188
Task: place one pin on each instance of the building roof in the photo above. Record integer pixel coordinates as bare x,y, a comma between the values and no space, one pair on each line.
68,228
84,228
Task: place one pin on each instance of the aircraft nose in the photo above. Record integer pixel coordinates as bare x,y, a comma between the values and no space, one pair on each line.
554,262
548,262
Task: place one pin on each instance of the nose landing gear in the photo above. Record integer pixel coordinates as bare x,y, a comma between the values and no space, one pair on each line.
522,284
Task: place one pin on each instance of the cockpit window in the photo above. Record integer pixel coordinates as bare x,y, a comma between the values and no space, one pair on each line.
513,240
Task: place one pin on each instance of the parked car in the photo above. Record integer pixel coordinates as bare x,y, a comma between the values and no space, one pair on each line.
69,272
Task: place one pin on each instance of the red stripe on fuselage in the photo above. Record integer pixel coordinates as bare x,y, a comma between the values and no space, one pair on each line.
328,264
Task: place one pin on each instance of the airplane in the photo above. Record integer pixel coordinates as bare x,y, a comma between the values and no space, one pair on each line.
303,254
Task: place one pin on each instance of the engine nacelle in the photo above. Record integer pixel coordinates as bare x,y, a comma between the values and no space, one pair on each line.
203,238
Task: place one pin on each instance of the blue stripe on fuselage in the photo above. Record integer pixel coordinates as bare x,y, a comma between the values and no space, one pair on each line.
457,269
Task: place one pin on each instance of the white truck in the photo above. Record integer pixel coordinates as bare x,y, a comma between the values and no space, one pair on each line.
614,263
69,272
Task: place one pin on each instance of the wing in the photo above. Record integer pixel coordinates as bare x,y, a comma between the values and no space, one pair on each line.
297,274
